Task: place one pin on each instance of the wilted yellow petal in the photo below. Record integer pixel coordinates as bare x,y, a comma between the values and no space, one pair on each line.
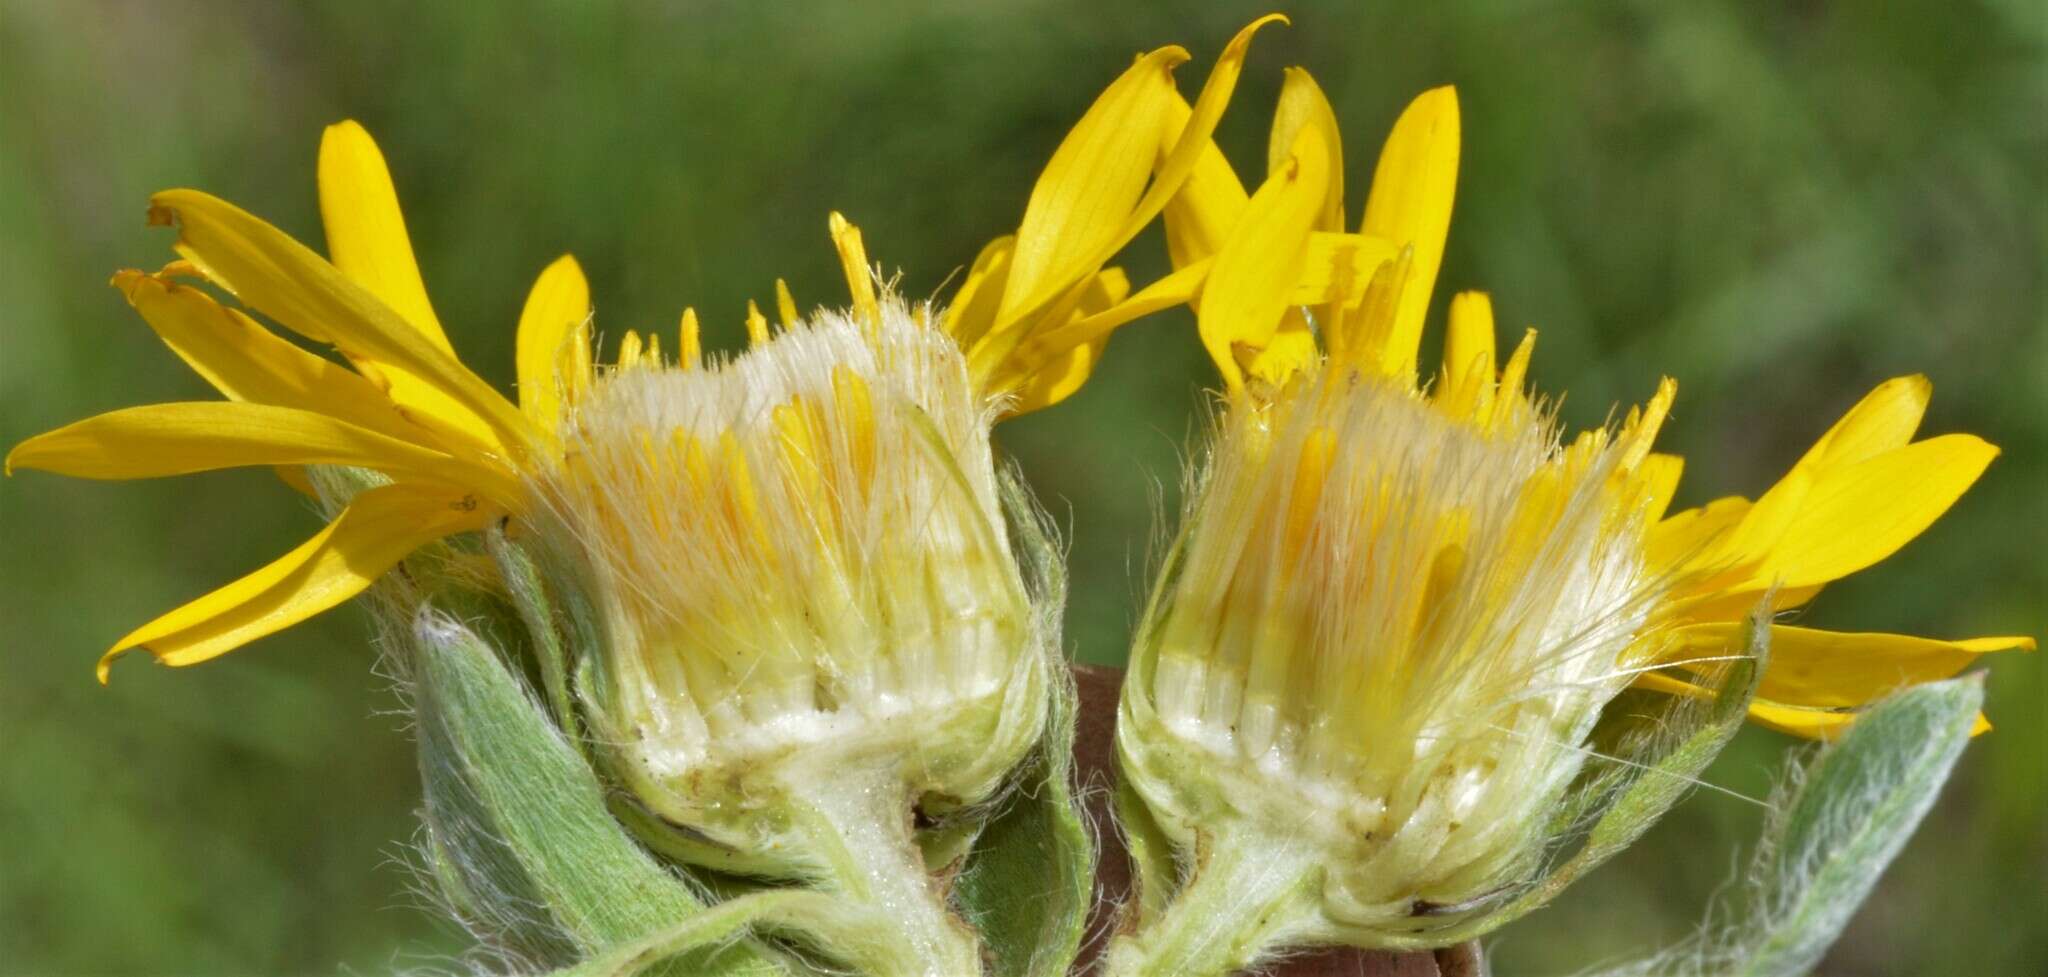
268,270
247,362
557,313
1255,273
377,529
366,236
1410,205
181,438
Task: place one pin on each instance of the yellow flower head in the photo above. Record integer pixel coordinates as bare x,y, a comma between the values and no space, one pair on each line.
1031,318
1399,604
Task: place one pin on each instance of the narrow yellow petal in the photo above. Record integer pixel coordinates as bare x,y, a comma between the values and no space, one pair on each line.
1093,196
1829,669
1410,205
690,343
757,324
247,362
973,309
1469,356
1302,103
1659,476
1255,273
785,305
1883,420
1059,379
1178,288
1855,515
860,276
377,529
366,236
557,313
1091,185
1210,200
159,440
278,276
630,345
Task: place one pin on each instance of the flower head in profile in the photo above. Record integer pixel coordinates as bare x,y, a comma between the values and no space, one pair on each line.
793,612
1399,604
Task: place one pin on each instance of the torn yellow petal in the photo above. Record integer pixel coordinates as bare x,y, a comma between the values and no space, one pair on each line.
280,277
377,529
247,362
757,324
1255,273
557,314
159,440
1410,205
366,236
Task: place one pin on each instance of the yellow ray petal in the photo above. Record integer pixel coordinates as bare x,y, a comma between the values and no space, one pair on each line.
1410,205
973,309
1057,380
1469,357
366,236
1659,477
557,313
1091,185
1094,197
181,438
1883,420
1210,199
1830,669
785,306
247,362
1302,103
1178,288
377,529
268,270
1683,536
1256,271
1855,515
860,276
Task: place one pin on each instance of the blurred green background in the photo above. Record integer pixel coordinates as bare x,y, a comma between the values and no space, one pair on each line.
1779,204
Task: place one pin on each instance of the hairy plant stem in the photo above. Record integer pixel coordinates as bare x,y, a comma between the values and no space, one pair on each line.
1245,901
860,826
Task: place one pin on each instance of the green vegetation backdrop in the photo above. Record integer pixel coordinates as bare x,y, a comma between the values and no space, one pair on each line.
1779,204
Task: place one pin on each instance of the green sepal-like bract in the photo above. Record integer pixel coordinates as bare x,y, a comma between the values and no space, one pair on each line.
516,820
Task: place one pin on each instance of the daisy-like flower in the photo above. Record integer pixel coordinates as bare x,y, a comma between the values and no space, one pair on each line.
1398,605
795,617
